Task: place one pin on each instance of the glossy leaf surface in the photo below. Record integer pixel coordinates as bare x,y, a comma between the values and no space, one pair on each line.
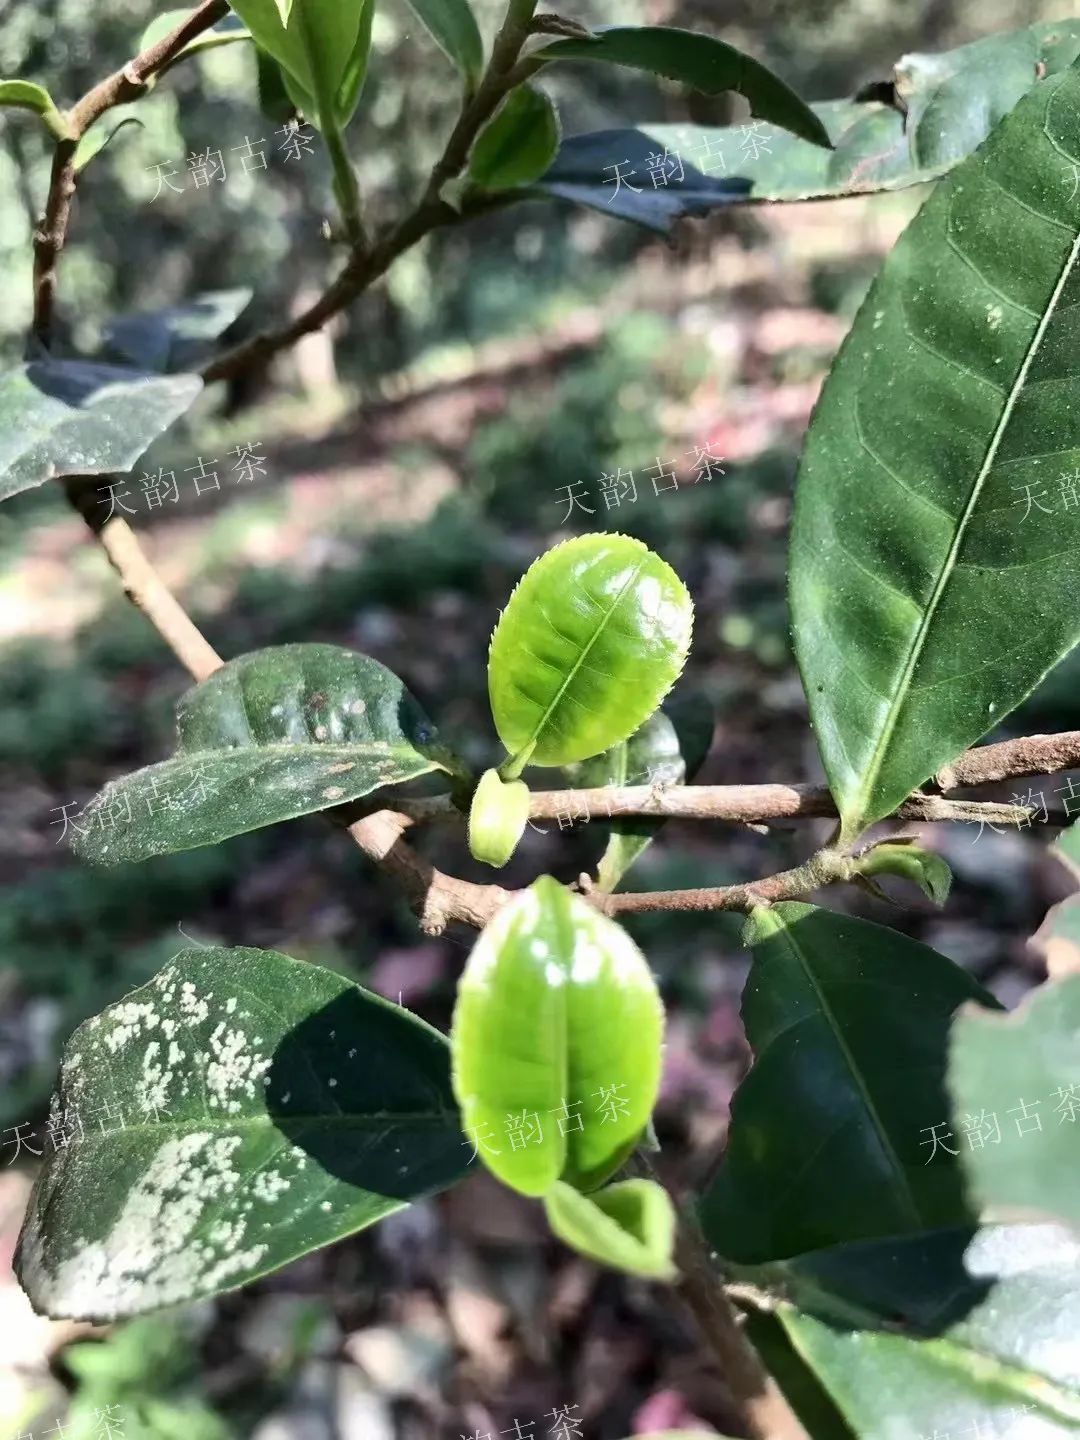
556,1041
453,26
848,1022
628,1226
71,417
178,337
945,105
271,735
697,60
518,144
238,1111
926,605
668,749
593,637
1015,1082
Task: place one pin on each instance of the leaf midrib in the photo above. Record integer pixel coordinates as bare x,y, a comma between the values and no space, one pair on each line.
537,730
783,932
853,824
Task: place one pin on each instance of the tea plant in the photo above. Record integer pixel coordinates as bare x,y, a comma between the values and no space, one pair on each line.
873,1256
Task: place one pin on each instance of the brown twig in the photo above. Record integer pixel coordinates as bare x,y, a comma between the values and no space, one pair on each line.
367,265
765,1411
123,85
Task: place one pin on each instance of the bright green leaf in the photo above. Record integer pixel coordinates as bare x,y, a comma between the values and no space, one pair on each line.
352,82
945,105
848,1023
1015,1082
72,417
272,735
925,605
178,337
497,818
518,144
921,867
592,639
668,749
317,49
24,95
453,26
629,1226
557,1016
697,60
238,1111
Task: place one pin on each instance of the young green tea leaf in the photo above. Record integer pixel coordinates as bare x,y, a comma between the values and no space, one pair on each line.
629,1226
453,27
848,1022
921,867
593,637
272,735
926,604
238,1111
72,417
25,95
316,44
556,1042
1015,1083
518,144
497,818
697,60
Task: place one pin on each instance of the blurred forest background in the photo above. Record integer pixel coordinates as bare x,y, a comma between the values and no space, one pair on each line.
415,463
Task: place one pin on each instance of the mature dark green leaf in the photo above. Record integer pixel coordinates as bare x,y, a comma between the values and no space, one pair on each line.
629,1226
926,605
945,105
453,26
1015,1082
848,1022
969,1329
557,1028
178,337
271,735
593,637
71,417
316,46
668,749
240,1110
518,144
697,60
